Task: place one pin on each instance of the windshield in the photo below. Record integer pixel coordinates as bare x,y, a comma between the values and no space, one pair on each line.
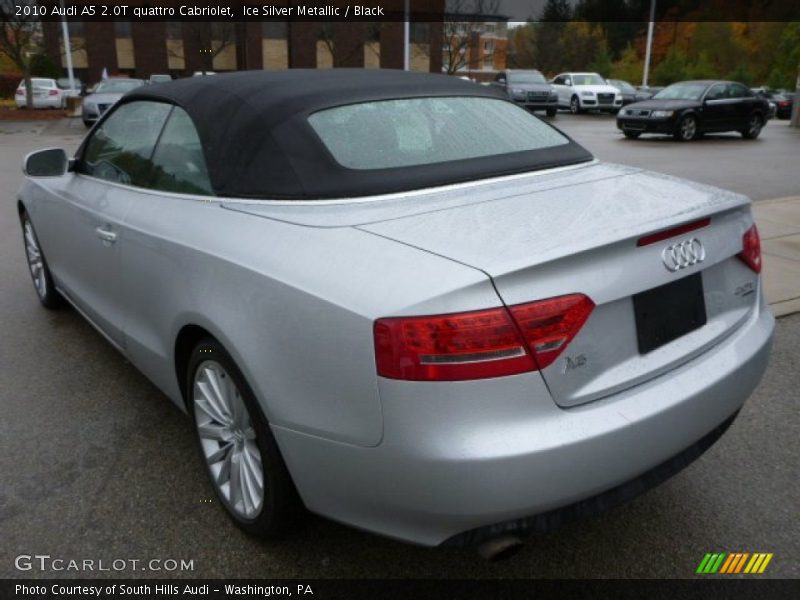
682,91
117,87
590,79
528,77
622,85
423,131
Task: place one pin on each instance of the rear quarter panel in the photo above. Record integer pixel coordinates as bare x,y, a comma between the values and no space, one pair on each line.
294,305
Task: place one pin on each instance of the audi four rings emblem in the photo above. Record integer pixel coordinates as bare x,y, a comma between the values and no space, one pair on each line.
683,254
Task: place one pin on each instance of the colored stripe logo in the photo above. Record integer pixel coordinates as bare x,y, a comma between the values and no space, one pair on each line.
734,562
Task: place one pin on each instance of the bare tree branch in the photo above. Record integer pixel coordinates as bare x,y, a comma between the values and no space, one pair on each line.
465,20
20,39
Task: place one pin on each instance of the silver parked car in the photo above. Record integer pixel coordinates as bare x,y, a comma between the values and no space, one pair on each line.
400,300
104,95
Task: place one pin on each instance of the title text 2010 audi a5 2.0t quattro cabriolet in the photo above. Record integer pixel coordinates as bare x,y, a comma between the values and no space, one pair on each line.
401,300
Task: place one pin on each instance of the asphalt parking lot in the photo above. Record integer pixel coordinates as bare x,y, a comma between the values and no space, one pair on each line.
98,464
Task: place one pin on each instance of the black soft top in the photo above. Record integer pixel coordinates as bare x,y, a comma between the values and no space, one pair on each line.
257,141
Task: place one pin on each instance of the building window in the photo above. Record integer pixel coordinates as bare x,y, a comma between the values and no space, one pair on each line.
122,29
174,30
274,30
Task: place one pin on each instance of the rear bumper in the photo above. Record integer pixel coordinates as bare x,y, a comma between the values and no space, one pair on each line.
549,104
461,457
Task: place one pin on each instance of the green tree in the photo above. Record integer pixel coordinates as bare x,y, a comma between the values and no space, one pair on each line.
629,67
741,74
602,63
583,44
702,68
671,69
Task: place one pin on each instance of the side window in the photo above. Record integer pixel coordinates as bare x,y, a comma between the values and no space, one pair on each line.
558,80
717,92
120,149
737,90
178,162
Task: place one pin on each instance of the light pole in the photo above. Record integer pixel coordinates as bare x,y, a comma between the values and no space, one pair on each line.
649,43
67,49
406,35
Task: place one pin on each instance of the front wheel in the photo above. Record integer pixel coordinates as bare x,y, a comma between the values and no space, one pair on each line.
551,112
575,105
687,129
632,135
37,265
754,125
241,456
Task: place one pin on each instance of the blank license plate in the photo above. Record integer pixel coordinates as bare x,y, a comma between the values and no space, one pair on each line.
669,311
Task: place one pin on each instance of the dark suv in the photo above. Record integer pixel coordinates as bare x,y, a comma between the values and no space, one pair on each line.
529,89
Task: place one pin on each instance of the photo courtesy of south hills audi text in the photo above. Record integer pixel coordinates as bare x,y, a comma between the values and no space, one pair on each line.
121,590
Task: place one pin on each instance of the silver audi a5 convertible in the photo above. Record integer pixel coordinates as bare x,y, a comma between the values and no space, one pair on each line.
400,300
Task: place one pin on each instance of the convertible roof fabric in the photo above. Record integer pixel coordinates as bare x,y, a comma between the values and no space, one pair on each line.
257,141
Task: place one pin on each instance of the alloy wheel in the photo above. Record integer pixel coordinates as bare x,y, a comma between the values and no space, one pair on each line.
574,105
688,128
754,126
228,440
35,261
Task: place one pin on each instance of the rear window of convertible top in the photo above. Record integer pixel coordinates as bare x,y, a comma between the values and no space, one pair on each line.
420,131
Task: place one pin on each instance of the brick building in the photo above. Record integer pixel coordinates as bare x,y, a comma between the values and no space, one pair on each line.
140,49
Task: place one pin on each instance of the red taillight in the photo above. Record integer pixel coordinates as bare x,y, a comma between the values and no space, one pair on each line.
479,344
548,326
52,93
751,249
784,103
668,233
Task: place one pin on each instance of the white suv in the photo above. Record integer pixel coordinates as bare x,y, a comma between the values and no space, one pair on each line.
586,91
46,94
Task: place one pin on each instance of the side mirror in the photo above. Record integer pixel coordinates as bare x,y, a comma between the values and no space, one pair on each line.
52,162
568,82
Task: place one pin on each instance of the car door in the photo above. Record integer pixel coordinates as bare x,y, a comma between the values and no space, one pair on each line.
153,258
719,111
743,103
559,87
113,159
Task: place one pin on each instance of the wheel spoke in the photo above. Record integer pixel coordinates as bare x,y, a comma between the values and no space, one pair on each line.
217,395
209,409
220,454
224,474
235,463
210,431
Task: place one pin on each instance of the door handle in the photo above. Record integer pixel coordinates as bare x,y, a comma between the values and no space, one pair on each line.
108,237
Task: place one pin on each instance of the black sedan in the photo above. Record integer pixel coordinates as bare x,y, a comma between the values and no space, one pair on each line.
783,103
688,109
629,93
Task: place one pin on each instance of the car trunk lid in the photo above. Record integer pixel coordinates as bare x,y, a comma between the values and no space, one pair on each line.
583,236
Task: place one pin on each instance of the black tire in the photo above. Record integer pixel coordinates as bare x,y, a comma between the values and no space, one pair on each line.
575,106
754,125
45,290
632,135
88,124
686,130
551,112
281,504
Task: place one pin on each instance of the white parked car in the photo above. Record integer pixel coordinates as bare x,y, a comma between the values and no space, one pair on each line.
46,94
586,91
